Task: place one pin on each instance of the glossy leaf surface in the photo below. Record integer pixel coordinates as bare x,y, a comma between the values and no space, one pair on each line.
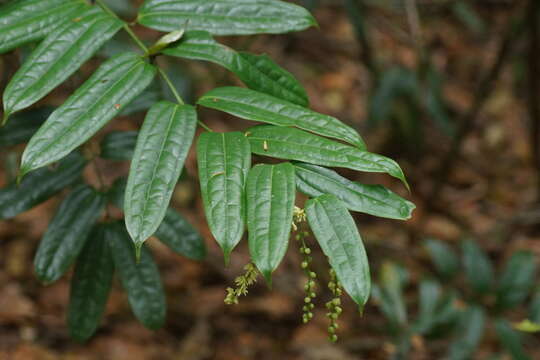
256,106
224,160
270,194
25,21
336,232
225,17
180,236
90,286
67,233
40,186
258,72
293,144
59,56
162,147
98,100
118,145
376,200
140,280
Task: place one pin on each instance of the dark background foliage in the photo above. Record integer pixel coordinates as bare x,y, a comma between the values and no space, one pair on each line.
448,88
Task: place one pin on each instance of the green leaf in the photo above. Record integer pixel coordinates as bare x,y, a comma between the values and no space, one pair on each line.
443,257
175,231
534,307
510,340
25,21
165,41
256,106
67,233
23,126
180,236
270,194
200,45
430,293
389,294
225,17
40,186
59,56
141,280
162,147
517,280
224,160
469,333
261,73
90,286
527,326
478,267
118,145
336,232
258,72
98,100
376,200
293,144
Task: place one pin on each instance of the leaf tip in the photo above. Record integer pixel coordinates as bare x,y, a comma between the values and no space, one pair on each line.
5,118
267,274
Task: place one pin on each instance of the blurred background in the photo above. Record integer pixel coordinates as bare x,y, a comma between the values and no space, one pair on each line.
450,89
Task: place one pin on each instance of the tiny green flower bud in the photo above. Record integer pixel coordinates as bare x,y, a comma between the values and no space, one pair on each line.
307,300
304,264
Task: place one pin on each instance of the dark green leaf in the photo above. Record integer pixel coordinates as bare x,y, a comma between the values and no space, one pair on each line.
534,307
162,147
389,294
225,17
98,100
23,126
90,286
258,72
270,194
118,145
469,333
430,293
443,257
59,56
517,280
180,236
175,231
336,232
67,233
510,340
478,268
140,280
293,144
376,200
224,160
26,21
40,186
256,106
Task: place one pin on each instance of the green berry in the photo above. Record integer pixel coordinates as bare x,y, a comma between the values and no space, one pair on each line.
307,300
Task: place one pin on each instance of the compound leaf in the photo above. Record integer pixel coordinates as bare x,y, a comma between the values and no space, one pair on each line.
225,17
141,280
224,160
270,194
40,186
25,21
98,100
59,56
294,144
90,286
376,200
256,106
162,147
336,232
67,233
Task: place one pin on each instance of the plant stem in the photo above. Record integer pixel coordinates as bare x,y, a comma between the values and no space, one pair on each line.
145,49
